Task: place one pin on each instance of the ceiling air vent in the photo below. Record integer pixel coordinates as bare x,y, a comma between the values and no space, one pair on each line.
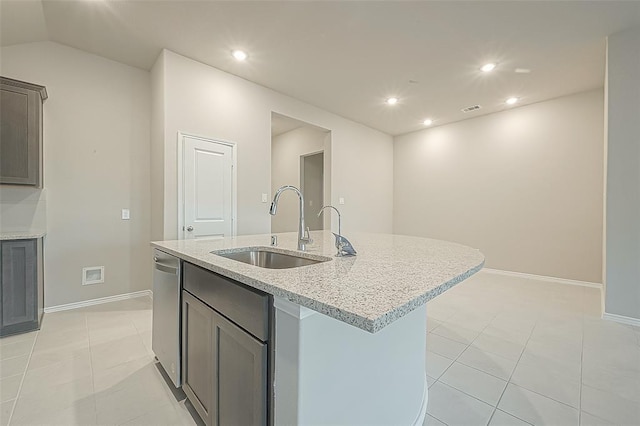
471,108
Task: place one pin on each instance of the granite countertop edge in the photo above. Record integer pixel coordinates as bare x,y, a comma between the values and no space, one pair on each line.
371,324
21,235
399,312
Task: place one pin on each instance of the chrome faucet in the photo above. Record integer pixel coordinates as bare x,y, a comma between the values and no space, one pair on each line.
337,211
342,244
303,233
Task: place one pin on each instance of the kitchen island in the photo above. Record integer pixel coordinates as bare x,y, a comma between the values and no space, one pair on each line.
350,333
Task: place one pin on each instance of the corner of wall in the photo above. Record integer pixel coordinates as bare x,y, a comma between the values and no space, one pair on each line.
604,176
157,146
623,176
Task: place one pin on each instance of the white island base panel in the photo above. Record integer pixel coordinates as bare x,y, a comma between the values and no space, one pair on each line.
330,373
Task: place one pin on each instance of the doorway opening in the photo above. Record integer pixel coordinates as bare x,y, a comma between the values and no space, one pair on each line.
300,156
312,187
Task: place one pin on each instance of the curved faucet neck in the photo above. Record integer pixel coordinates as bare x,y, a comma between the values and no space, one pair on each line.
302,240
329,206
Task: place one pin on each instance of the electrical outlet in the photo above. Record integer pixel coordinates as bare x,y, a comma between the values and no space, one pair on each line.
265,198
340,200
126,214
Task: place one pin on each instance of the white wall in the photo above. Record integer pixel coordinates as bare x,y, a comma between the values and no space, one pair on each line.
622,248
525,186
96,142
202,100
286,150
22,208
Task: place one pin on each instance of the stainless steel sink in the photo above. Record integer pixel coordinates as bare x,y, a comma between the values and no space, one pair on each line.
270,259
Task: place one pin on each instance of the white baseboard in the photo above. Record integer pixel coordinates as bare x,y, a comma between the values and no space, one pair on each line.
542,278
621,319
99,301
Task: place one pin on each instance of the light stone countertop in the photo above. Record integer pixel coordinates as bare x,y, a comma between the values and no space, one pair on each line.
21,235
391,275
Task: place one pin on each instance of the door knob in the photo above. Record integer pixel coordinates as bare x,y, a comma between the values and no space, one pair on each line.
189,228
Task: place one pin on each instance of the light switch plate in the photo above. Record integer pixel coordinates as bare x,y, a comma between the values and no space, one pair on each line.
340,200
265,198
126,214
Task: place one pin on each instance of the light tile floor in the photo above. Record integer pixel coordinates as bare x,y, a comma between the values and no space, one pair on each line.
512,351
501,351
90,366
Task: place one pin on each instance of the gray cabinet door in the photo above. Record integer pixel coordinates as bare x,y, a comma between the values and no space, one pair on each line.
18,286
197,355
20,135
241,366
224,367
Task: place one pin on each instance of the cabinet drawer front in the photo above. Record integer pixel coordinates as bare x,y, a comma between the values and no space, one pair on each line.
247,307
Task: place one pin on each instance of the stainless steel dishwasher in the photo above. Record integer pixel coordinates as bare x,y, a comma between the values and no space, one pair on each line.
166,334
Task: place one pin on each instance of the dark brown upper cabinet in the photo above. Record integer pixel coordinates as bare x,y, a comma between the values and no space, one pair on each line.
21,132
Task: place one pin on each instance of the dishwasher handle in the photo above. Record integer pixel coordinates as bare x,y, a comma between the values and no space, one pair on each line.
165,268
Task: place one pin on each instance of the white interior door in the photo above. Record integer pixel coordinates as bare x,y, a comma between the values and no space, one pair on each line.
207,171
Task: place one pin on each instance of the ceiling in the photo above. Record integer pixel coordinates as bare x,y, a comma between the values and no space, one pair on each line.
348,56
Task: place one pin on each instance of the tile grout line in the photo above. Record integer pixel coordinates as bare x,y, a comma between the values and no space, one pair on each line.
437,325
455,360
446,369
29,358
470,396
444,423
93,380
581,368
13,357
482,371
509,414
24,374
130,320
494,354
536,326
540,394
495,408
544,396
140,335
511,375
468,345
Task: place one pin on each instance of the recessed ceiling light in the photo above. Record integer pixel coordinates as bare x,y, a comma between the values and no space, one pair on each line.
240,55
428,122
392,101
511,101
487,67
522,70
